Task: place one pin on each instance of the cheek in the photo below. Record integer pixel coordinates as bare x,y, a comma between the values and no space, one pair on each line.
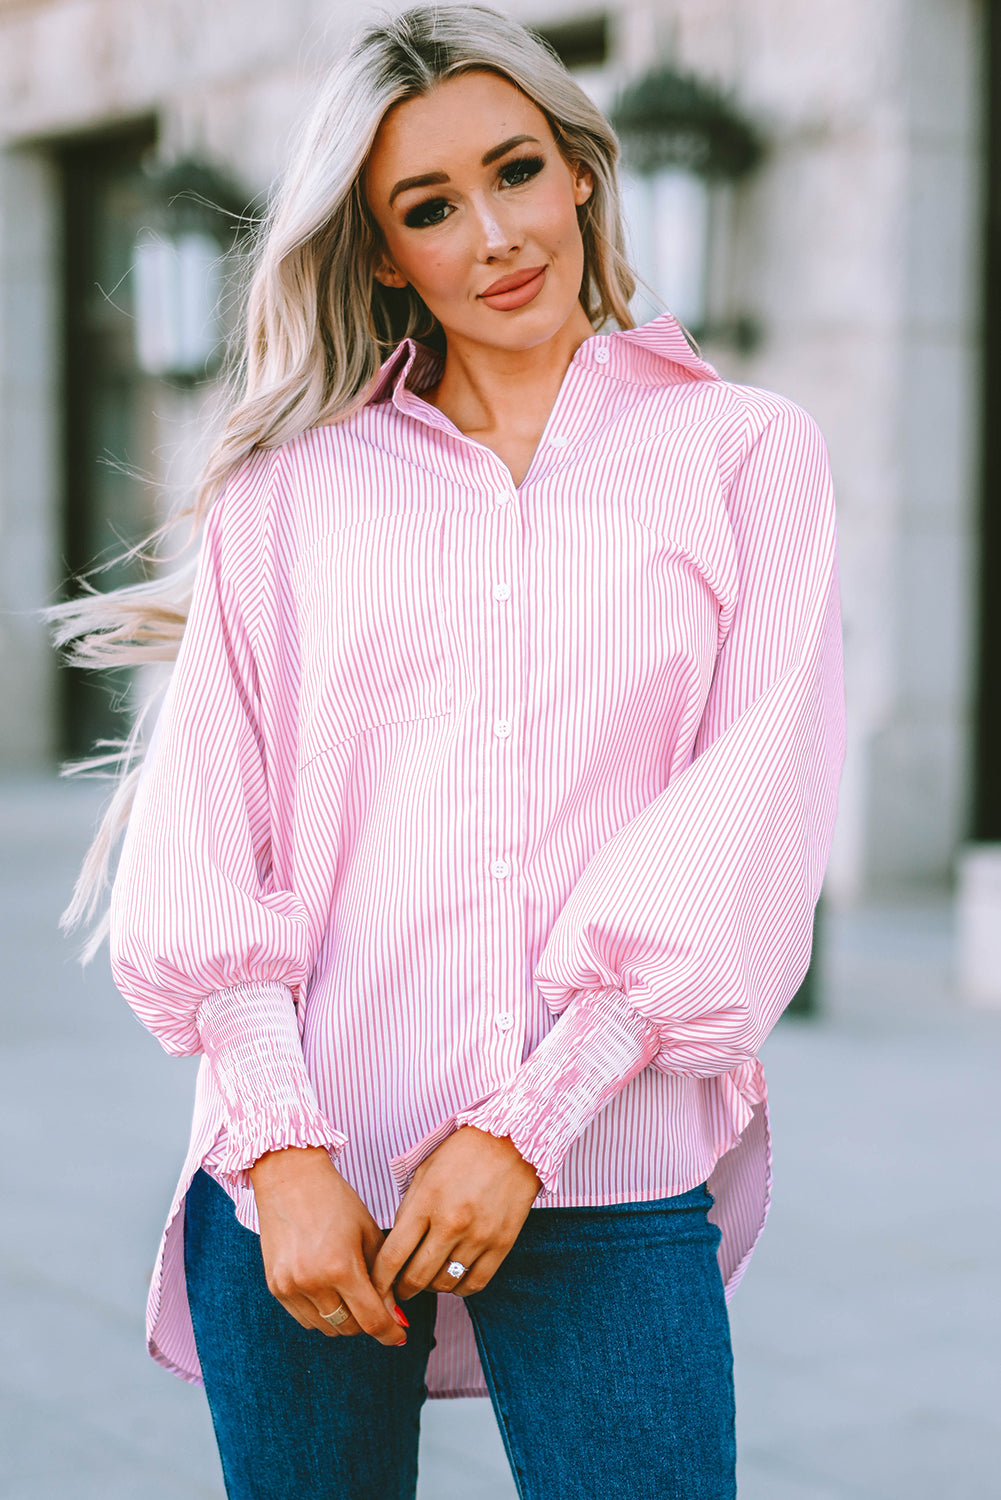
558,223
433,268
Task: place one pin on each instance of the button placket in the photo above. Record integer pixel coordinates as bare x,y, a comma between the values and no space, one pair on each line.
497,709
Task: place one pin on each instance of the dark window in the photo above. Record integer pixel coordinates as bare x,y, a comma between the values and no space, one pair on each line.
108,408
581,43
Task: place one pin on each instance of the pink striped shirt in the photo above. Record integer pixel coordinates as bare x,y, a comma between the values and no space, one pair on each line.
503,805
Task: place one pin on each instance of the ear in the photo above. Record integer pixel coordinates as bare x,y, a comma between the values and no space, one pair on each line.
583,185
385,272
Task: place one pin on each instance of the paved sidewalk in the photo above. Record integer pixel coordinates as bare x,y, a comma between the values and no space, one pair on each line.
866,1332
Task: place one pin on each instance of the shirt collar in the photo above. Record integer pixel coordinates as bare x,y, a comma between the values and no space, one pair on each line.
411,368
665,338
640,354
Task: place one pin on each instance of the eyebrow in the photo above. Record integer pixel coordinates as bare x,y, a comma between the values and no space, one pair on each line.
499,151
435,179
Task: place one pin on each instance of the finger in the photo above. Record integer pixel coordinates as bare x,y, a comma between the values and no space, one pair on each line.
480,1273
370,1312
371,1244
426,1267
462,1260
307,1301
396,1249
347,1328
308,1315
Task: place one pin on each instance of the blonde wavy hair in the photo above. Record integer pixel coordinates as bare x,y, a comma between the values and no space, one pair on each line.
318,324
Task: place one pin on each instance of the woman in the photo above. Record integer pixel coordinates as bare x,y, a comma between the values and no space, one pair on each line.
477,847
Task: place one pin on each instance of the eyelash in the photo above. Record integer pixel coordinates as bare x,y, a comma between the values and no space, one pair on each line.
526,167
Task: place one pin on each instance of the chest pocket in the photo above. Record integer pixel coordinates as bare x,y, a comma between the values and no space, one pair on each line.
374,644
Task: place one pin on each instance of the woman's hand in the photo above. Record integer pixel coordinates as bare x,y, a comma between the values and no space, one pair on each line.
319,1243
467,1203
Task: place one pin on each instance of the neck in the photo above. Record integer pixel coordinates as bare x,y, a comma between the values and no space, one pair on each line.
487,391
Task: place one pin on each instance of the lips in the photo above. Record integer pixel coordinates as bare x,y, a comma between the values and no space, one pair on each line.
513,282
515,291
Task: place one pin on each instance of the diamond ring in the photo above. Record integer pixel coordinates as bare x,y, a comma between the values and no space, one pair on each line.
455,1269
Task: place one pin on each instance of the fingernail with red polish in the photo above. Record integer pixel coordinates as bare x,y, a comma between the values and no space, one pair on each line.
398,1315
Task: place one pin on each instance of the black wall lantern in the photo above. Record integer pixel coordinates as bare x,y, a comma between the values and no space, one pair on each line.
684,146
195,218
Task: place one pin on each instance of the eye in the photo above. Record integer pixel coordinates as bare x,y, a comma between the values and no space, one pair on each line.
522,169
432,211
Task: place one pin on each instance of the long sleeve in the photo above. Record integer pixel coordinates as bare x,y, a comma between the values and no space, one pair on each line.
689,930
206,946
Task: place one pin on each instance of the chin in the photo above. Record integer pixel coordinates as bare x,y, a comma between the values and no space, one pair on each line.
524,329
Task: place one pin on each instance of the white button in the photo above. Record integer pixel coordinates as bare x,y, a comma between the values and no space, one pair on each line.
558,442
504,1021
502,497
502,591
601,354
500,869
502,729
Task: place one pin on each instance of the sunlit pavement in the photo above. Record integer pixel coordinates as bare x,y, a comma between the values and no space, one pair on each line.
866,1332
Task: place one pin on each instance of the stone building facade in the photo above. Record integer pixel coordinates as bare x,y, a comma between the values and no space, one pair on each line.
856,251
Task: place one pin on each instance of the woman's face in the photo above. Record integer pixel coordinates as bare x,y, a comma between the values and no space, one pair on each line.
478,212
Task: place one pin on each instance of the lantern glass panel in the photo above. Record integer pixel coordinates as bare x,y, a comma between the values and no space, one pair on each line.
178,285
668,227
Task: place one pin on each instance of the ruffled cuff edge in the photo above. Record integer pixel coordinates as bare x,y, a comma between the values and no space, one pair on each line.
250,1035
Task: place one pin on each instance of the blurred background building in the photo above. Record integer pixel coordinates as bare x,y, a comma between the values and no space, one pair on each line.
807,191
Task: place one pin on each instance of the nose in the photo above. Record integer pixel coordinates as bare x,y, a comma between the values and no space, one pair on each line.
498,232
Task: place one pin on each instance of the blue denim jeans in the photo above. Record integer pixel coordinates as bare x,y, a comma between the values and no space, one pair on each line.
604,1340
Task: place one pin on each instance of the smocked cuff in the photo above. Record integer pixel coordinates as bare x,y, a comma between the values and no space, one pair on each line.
598,1045
251,1039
